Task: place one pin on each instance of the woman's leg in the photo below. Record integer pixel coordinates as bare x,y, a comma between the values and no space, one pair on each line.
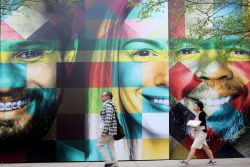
208,152
191,154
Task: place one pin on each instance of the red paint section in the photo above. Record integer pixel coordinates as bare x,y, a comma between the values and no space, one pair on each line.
243,67
182,81
17,156
176,19
242,103
100,75
8,33
118,7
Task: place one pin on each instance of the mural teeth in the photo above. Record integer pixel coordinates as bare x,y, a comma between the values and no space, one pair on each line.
161,101
1,106
8,106
19,104
215,102
14,105
166,102
209,102
22,103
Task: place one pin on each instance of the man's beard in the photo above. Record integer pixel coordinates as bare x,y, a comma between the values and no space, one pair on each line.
46,103
228,123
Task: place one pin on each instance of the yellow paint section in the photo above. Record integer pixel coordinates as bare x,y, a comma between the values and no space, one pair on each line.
155,149
179,152
209,55
131,99
45,57
132,56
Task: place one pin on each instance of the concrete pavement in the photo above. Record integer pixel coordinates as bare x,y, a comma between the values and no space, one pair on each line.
232,162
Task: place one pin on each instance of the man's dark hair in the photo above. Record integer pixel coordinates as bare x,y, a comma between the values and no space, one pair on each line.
109,94
200,105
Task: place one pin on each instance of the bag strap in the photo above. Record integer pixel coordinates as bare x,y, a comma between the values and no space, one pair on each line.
117,120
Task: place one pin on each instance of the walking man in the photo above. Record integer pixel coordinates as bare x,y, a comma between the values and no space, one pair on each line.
200,134
108,129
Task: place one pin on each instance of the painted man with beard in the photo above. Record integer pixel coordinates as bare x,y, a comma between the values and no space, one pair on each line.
215,70
32,47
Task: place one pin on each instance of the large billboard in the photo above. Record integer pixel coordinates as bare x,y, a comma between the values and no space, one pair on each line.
58,57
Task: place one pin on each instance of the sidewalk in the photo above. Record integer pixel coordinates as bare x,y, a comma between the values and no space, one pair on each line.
232,162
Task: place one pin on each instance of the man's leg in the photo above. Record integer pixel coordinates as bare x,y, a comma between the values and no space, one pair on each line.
111,148
100,146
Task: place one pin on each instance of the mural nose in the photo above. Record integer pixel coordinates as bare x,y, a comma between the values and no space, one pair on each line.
214,71
161,76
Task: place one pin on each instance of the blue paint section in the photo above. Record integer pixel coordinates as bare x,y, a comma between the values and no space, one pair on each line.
226,122
115,66
13,75
133,125
94,154
130,74
40,99
155,99
12,5
226,10
70,151
101,12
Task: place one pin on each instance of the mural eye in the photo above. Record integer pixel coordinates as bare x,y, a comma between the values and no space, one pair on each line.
241,52
143,53
187,51
28,54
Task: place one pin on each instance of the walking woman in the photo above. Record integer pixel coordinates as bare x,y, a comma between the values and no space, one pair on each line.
200,135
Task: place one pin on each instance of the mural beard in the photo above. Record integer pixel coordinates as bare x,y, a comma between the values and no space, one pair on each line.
226,118
228,123
46,103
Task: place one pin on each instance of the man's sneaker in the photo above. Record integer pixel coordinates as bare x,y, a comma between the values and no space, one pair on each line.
184,163
111,164
108,163
115,164
211,162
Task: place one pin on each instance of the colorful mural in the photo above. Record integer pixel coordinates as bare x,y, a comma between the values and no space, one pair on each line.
57,57
212,68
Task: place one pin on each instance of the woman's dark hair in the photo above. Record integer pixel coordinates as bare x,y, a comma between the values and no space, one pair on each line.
200,105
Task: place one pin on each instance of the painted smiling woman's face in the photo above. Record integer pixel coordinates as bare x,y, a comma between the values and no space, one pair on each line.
143,66
30,50
143,73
